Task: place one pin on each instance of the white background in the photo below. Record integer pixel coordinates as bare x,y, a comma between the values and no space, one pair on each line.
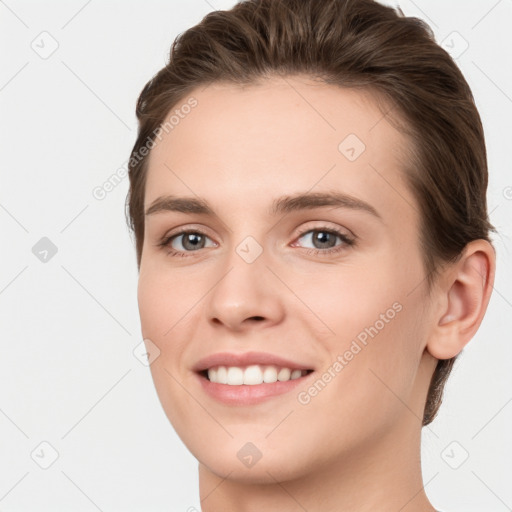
69,326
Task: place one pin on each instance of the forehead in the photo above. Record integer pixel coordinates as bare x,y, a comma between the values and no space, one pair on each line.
280,136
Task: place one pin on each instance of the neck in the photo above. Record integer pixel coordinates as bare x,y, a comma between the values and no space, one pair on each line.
385,476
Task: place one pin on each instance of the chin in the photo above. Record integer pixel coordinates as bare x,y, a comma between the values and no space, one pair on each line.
267,470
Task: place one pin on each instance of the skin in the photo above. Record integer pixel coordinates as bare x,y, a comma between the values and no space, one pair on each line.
356,444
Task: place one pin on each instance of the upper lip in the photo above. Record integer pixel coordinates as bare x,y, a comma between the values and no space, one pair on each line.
246,359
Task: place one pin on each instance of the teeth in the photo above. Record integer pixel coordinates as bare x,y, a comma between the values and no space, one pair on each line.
222,375
235,376
296,374
270,374
213,375
284,374
252,375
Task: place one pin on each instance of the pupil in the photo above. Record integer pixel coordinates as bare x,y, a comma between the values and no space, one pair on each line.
193,239
324,238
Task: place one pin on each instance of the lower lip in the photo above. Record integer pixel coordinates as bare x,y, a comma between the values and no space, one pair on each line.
246,394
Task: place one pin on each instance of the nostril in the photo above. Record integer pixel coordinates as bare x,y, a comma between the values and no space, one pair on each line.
257,318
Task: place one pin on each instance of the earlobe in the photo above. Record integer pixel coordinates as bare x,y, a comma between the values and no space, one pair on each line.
467,292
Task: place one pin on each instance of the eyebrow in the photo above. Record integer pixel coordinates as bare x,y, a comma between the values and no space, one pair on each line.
281,205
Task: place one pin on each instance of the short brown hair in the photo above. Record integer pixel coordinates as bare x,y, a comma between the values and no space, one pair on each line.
353,44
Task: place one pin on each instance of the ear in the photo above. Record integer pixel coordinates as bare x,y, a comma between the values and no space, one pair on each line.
465,289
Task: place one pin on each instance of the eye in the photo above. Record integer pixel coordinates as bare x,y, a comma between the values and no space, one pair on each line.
325,240
186,241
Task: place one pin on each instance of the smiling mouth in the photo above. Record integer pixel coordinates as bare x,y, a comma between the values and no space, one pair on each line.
251,375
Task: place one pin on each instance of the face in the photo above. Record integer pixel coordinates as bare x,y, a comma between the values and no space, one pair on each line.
300,262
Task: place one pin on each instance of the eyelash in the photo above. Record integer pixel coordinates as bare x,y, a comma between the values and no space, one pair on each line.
347,242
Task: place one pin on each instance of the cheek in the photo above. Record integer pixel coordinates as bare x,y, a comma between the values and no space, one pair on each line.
375,337
362,391
162,310
165,300
349,301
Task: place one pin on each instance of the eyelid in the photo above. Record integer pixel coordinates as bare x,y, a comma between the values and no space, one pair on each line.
185,228
347,241
324,225
166,241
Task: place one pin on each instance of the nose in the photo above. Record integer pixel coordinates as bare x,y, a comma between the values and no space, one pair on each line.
248,296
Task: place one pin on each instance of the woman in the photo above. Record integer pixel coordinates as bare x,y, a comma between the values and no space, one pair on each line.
308,198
